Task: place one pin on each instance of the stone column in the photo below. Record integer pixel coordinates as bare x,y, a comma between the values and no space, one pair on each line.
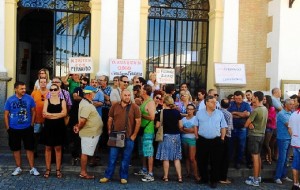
131,29
108,34
230,31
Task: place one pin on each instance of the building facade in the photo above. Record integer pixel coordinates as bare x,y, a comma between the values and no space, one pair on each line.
187,35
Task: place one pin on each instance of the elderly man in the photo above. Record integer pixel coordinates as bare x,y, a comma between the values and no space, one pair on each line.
210,92
283,141
117,119
212,129
89,128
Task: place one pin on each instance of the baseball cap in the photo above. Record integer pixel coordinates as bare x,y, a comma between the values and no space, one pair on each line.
89,89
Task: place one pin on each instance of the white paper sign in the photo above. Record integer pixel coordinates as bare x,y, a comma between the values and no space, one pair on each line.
127,67
80,65
165,76
230,73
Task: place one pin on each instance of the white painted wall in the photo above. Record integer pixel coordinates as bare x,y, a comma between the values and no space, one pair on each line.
108,34
131,29
285,42
2,24
230,31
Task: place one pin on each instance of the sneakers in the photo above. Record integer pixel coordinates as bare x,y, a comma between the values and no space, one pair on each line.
287,179
259,178
17,171
252,182
123,181
148,178
140,172
278,181
34,172
104,180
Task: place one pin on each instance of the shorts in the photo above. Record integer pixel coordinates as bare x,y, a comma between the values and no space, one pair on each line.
188,141
296,159
255,144
15,136
38,127
146,145
89,144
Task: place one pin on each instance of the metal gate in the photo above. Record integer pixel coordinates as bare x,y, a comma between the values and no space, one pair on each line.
178,38
71,30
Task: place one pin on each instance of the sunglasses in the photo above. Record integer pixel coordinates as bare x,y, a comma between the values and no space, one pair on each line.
137,82
127,82
43,98
158,98
53,89
216,95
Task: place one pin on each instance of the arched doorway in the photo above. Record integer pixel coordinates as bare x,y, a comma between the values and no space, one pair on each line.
178,38
49,32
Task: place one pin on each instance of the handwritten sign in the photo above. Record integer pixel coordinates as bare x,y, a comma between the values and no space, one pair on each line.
230,73
127,67
165,76
80,65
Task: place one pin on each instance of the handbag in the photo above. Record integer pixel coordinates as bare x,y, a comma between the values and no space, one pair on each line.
160,131
117,138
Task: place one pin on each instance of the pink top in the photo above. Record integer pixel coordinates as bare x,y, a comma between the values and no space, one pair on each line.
271,123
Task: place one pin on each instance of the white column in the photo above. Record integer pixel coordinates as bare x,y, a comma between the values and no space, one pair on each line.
108,34
230,31
2,24
131,29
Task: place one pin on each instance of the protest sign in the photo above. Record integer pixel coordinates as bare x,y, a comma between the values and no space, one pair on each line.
165,76
127,67
80,65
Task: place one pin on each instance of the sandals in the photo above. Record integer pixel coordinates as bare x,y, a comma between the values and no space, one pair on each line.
86,176
179,180
58,174
47,173
165,179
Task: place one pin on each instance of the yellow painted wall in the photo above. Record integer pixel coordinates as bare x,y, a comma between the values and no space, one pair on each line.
143,32
10,42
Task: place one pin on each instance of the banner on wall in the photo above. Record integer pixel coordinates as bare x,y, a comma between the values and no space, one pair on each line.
230,73
80,65
127,67
165,76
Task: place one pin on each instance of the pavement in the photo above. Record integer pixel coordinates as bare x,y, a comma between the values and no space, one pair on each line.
72,181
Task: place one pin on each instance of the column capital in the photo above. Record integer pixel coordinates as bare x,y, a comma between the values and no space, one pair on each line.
95,5
11,1
216,14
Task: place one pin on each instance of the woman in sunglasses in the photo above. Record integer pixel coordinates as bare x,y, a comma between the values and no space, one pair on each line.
54,111
185,99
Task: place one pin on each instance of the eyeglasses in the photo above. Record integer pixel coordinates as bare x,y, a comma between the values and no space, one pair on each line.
158,98
216,95
43,98
127,82
190,109
53,89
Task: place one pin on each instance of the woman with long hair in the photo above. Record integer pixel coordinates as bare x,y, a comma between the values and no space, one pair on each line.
170,147
153,82
53,135
43,73
185,99
271,126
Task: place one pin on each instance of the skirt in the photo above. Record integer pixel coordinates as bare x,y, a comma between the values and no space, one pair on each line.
169,148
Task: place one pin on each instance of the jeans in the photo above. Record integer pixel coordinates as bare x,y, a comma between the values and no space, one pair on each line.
126,156
238,144
281,167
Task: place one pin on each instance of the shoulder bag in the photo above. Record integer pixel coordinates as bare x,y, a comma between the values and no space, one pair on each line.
117,138
160,131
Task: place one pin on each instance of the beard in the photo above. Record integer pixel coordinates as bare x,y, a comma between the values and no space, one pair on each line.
126,101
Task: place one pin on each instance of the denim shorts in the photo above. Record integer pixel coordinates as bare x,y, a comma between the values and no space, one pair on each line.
296,159
255,144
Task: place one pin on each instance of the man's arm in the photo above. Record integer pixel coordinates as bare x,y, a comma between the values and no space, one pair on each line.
109,124
249,124
32,115
136,129
6,115
223,133
80,124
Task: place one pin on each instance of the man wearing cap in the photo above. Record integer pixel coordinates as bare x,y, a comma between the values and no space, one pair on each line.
89,127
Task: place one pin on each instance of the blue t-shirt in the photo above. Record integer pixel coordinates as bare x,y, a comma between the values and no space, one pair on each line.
244,106
189,123
19,111
99,97
282,131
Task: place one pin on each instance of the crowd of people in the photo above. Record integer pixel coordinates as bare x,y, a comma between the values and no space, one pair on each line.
79,114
